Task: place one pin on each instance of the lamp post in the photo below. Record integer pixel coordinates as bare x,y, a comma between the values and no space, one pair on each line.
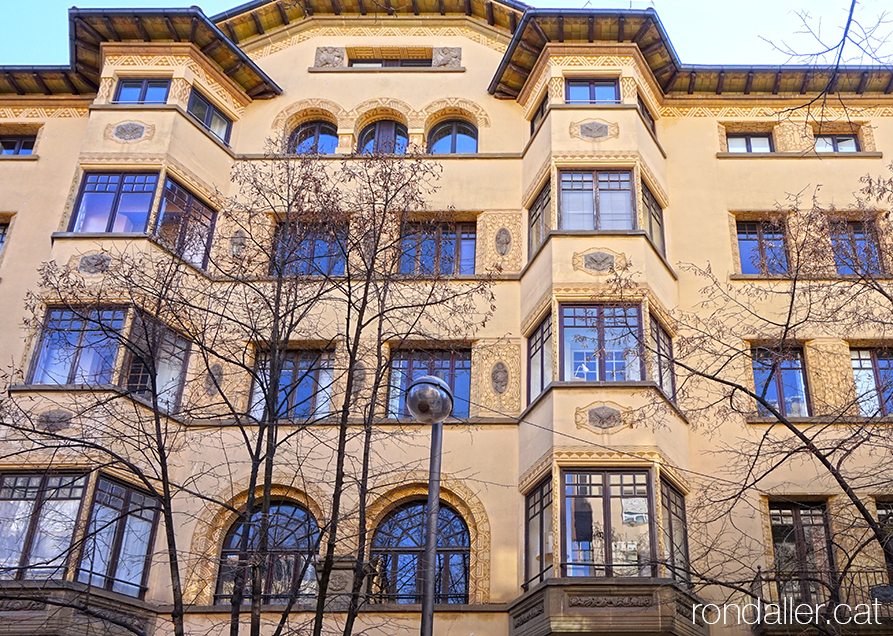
430,401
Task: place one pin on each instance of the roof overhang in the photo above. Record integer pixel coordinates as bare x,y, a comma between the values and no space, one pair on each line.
643,28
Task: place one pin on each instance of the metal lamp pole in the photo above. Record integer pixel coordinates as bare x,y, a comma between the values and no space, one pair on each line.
430,401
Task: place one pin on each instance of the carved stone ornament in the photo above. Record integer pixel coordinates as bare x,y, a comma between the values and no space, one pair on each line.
604,417
446,57
499,377
94,263
610,601
882,594
529,615
330,57
359,379
54,420
128,132
594,130
237,243
21,605
600,261
213,378
503,241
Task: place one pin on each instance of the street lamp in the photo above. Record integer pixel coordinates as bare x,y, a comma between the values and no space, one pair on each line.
430,401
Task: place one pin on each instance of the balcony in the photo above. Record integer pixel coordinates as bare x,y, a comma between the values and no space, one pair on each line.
858,601
605,606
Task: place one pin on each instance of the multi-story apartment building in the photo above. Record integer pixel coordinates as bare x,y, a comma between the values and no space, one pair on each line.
615,203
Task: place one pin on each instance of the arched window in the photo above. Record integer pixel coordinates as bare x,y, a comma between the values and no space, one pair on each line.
397,548
385,136
287,570
313,137
453,136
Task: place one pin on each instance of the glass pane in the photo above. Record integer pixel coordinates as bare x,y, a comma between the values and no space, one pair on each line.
303,140
59,347
462,386
199,107
866,391
15,516
441,139
737,144
466,138
794,392
824,144
846,144
52,539
621,349
129,91
93,213
749,248
578,92
577,202
466,257
98,546
759,144
219,126
447,252
156,92
615,210
585,530
133,212
605,92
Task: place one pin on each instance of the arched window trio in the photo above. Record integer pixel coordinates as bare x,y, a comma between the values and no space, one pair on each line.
293,537
384,136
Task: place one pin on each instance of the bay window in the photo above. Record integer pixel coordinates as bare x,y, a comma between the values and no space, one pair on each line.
160,352
185,224
539,352
662,358
114,202
597,200
539,558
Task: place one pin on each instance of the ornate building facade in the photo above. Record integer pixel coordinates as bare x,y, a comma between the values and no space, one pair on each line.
584,173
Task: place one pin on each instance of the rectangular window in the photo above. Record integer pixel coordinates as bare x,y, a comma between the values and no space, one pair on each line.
873,373
114,202
453,367
540,553
305,385
4,230
750,143
391,63
539,218
780,379
856,249
142,91
802,548
430,249
119,540
78,347
662,359
836,143
761,248
675,533
655,219
647,116
209,116
17,145
539,114
600,343
156,351
597,200
591,91
185,224
885,519
38,516
539,352
309,249
607,503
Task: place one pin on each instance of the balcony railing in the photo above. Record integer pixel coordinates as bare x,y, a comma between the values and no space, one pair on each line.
851,588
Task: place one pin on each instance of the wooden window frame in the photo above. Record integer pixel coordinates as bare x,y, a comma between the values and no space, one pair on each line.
662,349
542,497
318,126
786,355
633,211
539,218
119,191
20,142
417,233
197,96
749,137
600,335
592,83
843,232
655,215
668,494
762,241
803,575
884,409
835,141
539,114
335,237
421,361
143,89
192,201
454,133
541,338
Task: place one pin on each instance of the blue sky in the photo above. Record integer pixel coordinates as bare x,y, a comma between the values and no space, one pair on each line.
702,31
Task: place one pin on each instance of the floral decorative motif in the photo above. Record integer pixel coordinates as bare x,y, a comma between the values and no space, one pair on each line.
446,57
329,57
484,395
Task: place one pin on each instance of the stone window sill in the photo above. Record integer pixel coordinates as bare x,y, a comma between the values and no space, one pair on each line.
387,69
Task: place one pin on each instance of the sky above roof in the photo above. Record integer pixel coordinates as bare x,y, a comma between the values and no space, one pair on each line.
710,32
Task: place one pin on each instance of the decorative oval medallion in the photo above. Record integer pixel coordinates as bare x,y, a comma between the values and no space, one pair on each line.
499,377
503,241
129,131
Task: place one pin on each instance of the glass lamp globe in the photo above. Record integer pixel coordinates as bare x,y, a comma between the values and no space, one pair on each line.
429,400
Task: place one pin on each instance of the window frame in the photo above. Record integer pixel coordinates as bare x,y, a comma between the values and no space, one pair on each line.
34,517
464,232
667,492
334,236
835,142
454,134
132,358
541,336
884,403
802,577
84,317
463,552
748,140
376,128
650,121
884,509
318,125
402,62
655,214
421,362
643,371
543,498
113,208
4,234
20,141
115,552
608,565
143,89
871,240
539,114
540,214
597,221
592,83
196,96
777,378
660,339
188,219
762,242
322,360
